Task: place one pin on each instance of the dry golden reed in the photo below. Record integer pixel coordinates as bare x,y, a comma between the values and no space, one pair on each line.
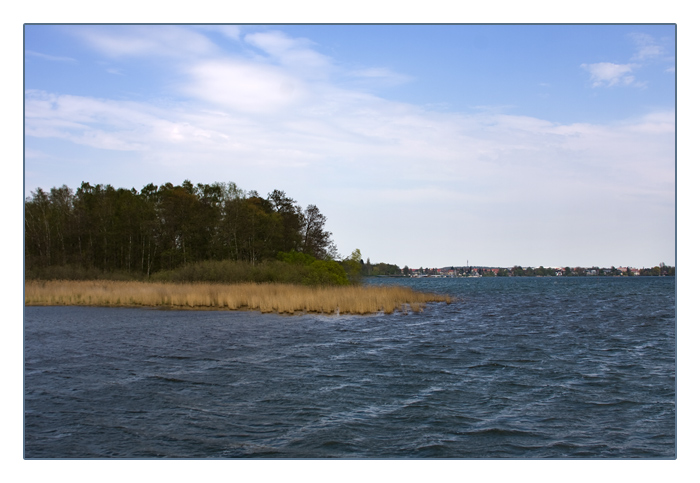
280,298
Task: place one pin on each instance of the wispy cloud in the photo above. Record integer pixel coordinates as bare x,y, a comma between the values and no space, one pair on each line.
146,41
382,75
265,108
369,135
53,58
232,32
609,74
295,54
647,47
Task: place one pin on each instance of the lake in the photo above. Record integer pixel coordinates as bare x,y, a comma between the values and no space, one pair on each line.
522,368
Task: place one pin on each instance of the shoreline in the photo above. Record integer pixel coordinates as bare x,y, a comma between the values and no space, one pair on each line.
265,298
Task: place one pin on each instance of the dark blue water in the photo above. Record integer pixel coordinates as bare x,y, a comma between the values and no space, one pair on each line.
514,368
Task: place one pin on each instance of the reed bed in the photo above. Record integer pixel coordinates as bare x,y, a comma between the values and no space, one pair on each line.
273,297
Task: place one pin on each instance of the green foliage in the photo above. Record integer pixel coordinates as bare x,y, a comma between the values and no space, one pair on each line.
296,258
228,271
318,272
519,271
379,269
544,272
313,271
353,266
326,272
164,228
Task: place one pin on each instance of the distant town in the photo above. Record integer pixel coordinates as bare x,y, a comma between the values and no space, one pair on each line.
384,269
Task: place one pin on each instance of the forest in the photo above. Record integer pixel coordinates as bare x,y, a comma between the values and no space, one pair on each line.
181,230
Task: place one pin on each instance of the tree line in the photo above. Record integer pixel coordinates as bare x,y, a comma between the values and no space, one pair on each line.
518,271
167,227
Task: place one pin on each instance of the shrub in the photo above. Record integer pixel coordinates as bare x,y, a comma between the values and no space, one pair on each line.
297,269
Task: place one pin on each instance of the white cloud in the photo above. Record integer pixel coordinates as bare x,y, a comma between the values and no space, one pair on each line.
647,47
609,74
295,54
232,32
243,86
255,111
113,125
654,123
277,43
145,40
367,136
648,51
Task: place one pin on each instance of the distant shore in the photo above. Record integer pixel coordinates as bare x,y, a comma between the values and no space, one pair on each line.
266,298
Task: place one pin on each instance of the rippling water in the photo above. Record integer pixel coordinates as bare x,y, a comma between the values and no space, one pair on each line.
514,368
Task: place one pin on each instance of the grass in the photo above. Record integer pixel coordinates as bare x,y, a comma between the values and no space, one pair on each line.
272,297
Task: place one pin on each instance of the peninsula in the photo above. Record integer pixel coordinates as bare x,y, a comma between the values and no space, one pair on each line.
278,298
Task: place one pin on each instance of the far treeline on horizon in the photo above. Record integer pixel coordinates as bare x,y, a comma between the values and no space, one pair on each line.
212,232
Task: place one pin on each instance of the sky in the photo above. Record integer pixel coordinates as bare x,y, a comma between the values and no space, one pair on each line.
424,145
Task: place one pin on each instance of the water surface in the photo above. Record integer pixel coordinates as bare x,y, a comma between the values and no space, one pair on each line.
514,368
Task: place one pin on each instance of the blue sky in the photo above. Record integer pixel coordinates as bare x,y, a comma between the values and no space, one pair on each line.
425,145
